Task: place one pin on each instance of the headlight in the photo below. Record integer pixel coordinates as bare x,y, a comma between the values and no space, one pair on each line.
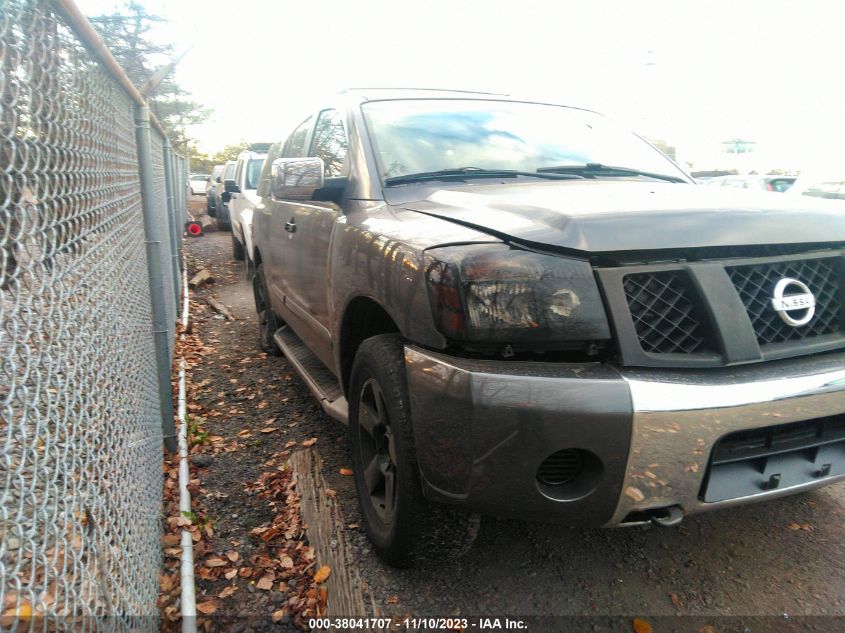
491,293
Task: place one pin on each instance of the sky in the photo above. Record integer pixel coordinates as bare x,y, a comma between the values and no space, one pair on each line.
693,74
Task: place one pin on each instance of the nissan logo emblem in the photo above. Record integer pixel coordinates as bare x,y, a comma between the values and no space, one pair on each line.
799,299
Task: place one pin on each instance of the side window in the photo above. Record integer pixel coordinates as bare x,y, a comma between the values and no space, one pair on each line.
330,142
295,146
253,170
823,190
273,153
230,172
239,166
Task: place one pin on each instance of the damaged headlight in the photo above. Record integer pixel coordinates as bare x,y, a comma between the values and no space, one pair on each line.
492,293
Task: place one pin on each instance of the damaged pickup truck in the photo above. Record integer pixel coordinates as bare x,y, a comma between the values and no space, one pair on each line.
520,309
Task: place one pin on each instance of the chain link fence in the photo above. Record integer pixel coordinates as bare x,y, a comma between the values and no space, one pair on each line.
90,240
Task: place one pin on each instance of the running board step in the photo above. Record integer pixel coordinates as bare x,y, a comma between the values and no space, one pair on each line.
320,380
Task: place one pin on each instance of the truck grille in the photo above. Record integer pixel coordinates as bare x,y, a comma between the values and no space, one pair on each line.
711,313
755,285
663,308
775,457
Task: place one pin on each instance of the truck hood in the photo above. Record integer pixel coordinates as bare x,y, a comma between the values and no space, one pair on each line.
595,216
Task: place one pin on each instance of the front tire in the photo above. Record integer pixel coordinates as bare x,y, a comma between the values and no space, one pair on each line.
267,322
402,526
222,224
237,249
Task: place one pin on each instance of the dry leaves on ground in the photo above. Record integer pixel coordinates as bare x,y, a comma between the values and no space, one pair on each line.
284,561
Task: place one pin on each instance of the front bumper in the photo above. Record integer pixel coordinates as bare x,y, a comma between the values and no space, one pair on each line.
482,429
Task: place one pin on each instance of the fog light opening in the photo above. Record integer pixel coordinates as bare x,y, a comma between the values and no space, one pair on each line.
569,474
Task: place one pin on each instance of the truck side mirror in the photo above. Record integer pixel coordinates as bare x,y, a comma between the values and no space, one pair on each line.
296,178
229,186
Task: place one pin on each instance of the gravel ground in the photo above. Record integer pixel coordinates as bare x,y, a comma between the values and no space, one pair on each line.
775,558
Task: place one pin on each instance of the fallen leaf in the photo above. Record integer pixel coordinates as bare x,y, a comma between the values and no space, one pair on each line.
231,574
286,562
278,615
265,582
676,601
215,562
331,493
793,526
244,433
309,443
269,429
290,444
228,591
353,526
707,628
346,472
23,612
208,607
393,600
165,583
641,626
233,556
322,574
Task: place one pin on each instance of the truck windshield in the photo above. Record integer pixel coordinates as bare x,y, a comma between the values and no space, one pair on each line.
412,136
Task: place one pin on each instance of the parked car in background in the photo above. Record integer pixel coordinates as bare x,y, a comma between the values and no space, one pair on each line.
523,310
211,190
828,186
198,183
243,199
777,184
222,193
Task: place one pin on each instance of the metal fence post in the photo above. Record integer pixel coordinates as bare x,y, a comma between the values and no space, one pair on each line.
183,175
152,233
172,225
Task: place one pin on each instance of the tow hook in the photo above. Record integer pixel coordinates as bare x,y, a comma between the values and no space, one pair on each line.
673,515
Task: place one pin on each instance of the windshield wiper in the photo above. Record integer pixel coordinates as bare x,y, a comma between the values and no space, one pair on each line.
592,169
464,173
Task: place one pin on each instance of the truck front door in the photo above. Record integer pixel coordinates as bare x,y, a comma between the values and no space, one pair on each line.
307,263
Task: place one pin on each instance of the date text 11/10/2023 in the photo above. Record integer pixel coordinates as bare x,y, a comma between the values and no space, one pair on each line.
419,624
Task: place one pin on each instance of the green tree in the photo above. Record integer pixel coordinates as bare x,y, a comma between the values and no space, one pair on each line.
127,35
230,152
199,161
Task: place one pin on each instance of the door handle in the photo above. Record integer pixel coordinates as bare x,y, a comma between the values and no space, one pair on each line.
290,227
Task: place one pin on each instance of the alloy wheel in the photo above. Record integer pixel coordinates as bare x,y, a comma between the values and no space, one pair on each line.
378,450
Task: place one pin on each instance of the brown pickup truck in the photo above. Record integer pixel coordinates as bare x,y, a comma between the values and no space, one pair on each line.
521,309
